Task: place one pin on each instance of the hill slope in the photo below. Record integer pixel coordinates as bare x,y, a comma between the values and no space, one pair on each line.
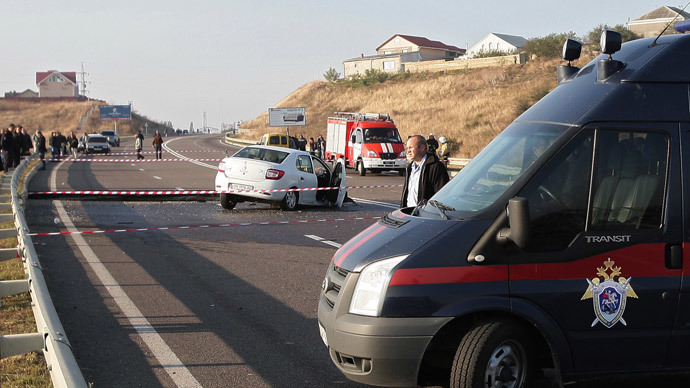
469,107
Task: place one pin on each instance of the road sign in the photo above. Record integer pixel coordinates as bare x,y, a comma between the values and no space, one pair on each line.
116,112
286,117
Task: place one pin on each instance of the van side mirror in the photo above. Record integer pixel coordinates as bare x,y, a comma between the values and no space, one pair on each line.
518,219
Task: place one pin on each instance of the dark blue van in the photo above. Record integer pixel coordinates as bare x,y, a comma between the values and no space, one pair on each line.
561,246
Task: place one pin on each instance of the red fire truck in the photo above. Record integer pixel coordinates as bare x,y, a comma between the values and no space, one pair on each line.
367,141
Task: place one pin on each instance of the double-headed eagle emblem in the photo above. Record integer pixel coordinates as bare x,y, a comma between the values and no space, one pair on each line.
609,292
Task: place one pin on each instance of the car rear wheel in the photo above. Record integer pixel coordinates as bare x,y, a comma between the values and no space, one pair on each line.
493,354
290,201
227,201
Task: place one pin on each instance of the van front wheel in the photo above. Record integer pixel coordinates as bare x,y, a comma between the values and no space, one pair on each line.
493,354
360,168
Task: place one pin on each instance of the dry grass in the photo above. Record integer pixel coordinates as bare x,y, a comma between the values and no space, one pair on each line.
16,317
469,107
64,117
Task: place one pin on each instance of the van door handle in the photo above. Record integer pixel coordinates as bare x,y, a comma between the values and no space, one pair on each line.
674,256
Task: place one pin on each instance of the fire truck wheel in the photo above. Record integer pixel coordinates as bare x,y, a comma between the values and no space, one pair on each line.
360,168
493,354
290,201
227,201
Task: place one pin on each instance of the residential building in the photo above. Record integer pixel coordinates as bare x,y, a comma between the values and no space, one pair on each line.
654,22
493,42
54,83
392,55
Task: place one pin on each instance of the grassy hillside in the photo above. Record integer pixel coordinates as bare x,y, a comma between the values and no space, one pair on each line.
469,107
65,117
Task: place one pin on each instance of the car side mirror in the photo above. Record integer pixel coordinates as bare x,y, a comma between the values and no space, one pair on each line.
518,220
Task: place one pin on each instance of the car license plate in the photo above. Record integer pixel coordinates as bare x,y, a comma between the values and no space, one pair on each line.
322,331
388,162
237,186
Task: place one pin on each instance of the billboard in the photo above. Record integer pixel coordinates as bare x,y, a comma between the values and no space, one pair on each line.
116,112
286,117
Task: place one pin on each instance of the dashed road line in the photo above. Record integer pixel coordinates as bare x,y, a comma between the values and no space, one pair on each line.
323,240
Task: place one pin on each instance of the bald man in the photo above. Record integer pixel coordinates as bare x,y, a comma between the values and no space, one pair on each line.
425,173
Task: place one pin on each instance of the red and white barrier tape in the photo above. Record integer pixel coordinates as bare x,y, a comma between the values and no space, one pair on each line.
132,160
203,226
193,192
153,152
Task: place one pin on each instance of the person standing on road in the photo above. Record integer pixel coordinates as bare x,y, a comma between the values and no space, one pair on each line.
139,144
425,174
158,145
443,150
73,144
432,143
55,145
17,141
7,145
40,147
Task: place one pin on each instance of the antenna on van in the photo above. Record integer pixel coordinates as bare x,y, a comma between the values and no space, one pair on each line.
668,25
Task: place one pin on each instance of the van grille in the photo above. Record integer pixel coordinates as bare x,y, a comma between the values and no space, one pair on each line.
336,278
388,155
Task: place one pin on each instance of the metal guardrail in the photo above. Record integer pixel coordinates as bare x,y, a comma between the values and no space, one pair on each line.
50,338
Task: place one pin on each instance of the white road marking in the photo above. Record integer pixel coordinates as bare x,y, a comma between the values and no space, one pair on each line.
378,203
323,240
157,177
179,155
176,370
141,169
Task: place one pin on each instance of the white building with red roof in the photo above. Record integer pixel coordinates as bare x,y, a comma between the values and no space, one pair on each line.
392,55
54,83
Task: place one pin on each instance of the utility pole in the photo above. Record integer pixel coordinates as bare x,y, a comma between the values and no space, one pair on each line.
83,82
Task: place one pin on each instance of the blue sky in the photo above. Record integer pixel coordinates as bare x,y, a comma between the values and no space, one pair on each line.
233,59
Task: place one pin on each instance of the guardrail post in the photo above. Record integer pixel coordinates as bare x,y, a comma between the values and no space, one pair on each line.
13,344
13,287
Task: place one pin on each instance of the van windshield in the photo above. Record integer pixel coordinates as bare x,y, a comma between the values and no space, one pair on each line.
498,166
381,135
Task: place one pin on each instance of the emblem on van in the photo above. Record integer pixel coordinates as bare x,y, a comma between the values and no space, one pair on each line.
609,292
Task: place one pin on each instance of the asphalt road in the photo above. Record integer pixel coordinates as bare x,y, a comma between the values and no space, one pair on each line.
217,306
236,305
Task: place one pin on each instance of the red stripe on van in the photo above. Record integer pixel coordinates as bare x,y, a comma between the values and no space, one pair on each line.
411,276
366,238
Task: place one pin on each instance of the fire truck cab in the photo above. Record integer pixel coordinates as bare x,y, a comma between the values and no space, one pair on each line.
367,141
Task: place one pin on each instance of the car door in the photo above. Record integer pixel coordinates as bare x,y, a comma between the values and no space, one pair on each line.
603,226
306,178
338,176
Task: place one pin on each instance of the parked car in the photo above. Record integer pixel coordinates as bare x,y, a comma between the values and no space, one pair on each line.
97,144
112,136
258,167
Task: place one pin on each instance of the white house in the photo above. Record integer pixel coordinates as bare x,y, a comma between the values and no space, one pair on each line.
652,23
392,55
509,44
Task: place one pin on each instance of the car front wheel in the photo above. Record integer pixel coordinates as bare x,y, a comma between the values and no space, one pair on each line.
290,201
493,354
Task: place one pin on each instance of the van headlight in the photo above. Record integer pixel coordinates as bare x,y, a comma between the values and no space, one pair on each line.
371,285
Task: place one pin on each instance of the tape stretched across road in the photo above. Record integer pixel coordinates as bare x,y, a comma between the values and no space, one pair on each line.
153,152
194,192
132,160
203,226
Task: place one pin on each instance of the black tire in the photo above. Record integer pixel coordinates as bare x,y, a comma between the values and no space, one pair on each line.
401,172
227,201
493,354
360,168
289,203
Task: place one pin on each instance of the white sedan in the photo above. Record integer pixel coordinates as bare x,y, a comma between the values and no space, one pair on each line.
255,173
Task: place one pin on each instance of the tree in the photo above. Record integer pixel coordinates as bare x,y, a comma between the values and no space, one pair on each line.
550,46
594,36
331,75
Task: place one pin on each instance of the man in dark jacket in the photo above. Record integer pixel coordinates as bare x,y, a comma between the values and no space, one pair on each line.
425,173
7,145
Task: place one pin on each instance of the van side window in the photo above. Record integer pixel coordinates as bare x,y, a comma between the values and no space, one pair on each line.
274,140
629,180
558,195
283,140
